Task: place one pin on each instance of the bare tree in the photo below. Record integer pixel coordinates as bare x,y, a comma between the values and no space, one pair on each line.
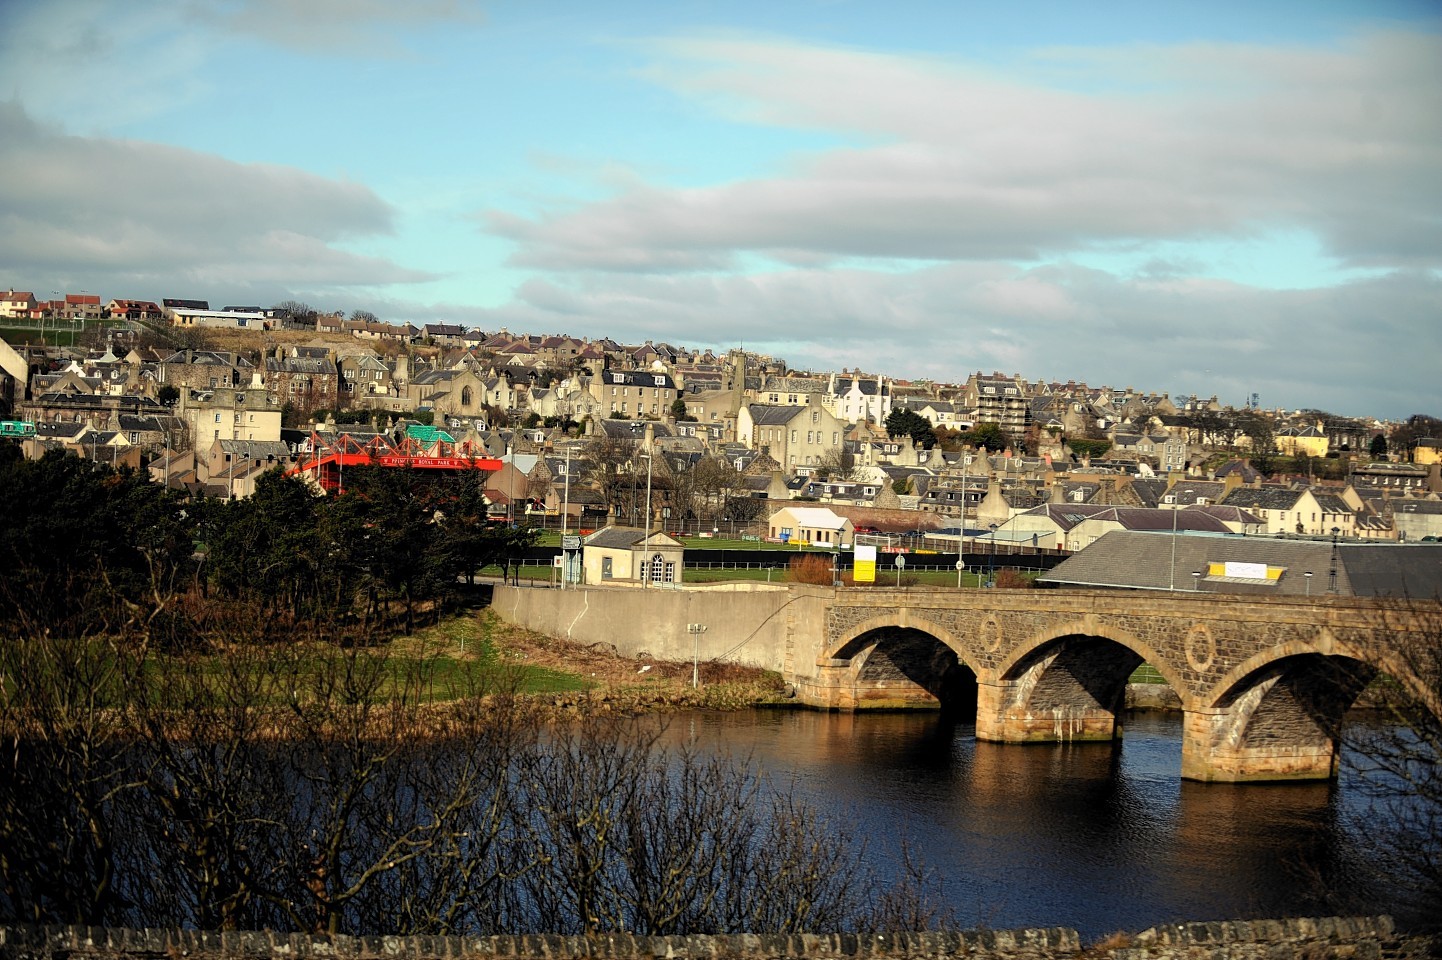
1399,759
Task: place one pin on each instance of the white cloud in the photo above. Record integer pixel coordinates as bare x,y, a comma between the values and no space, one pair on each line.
1341,143
122,216
353,27
1364,348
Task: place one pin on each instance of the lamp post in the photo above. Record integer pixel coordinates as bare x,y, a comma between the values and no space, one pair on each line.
1172,582
647,580
695,629
1332,573
960,566
566,499
991,564
566,516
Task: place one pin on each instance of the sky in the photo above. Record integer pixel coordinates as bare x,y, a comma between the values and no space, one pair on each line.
1220,198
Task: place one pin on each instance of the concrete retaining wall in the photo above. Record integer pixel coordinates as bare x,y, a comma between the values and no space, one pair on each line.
1372,938
750,623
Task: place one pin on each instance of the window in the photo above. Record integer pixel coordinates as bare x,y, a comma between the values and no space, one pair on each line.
217,418
606,568
658,568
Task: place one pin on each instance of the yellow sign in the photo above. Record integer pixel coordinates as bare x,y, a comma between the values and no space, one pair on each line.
864,568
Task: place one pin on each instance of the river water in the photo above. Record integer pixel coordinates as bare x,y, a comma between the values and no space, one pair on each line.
1100,837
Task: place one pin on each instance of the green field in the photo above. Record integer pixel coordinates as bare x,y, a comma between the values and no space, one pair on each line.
885,577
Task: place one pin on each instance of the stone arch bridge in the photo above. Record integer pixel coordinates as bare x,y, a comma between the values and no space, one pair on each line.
1263,682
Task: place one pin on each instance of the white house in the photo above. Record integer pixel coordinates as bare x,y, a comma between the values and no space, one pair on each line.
814,525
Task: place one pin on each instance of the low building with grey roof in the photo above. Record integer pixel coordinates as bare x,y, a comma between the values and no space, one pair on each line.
1263,566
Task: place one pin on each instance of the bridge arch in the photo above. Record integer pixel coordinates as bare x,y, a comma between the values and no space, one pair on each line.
847,647
1087,628
906,662
1278,715
1066,681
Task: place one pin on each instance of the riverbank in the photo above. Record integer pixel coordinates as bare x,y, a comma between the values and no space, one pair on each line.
593,677
1301,938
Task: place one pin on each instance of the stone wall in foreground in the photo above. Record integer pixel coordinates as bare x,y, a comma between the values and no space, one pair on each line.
1364,938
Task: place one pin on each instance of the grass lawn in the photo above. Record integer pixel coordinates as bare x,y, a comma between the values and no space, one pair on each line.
467,655
885,577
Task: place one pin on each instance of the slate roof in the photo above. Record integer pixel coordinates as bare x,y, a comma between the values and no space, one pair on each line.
1245,470
1188,493
1142,561
313,366
1262,498
1227,513
1331,503
765,414
624,538
634,429
1149,491
867,386
1424,507
779,384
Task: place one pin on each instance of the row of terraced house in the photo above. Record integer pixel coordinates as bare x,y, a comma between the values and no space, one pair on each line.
797,434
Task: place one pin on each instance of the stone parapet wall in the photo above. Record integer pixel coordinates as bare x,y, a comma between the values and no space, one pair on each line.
1365,938
1303,938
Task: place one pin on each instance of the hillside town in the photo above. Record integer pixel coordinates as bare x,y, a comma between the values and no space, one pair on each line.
207,400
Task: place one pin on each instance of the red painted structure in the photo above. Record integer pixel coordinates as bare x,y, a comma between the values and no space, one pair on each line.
330,455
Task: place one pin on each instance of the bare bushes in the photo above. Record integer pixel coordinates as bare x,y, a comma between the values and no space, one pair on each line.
811,568
316,791
1397,755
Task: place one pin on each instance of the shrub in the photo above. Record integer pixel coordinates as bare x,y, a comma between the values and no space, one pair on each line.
811,568
1009,578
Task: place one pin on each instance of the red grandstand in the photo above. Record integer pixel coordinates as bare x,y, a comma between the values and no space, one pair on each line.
422,448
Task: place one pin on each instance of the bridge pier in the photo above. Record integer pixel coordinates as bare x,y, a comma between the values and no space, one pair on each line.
837,686
1212,753
1003,715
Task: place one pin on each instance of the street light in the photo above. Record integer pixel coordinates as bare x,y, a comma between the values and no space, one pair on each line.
1308,576
1172,582
1332,574
647,579
565,516
695,629
991,568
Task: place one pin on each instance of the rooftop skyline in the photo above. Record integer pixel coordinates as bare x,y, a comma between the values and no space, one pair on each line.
1215,199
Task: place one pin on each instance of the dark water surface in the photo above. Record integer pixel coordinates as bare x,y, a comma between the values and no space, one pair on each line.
1099,837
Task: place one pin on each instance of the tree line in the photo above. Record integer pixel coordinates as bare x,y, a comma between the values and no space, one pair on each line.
196,733
92,551
279,789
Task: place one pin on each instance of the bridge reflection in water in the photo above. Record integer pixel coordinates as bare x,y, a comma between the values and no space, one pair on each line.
1263,683
1101,836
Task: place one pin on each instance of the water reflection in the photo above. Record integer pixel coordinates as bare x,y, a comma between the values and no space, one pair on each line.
1099,836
